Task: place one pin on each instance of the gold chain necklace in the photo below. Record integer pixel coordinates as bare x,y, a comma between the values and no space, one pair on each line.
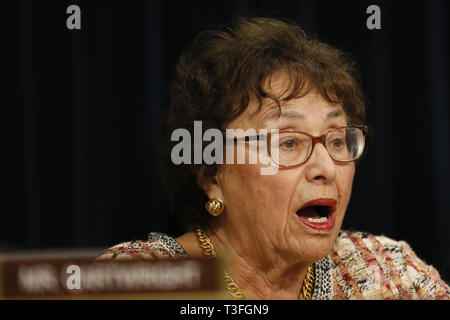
233,289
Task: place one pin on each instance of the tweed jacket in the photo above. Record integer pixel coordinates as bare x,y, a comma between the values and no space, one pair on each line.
359,266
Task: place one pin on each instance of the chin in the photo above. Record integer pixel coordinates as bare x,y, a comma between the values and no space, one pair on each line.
316,249
315,246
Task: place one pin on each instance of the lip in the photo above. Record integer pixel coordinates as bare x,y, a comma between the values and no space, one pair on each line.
320,226
329,202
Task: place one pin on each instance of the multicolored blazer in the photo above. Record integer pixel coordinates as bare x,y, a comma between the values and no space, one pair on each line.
360,266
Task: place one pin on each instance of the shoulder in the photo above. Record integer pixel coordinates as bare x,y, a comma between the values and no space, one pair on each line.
366,266
158,246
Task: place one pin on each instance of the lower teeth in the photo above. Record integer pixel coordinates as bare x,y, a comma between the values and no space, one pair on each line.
320,220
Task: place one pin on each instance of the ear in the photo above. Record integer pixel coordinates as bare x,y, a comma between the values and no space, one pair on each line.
209,182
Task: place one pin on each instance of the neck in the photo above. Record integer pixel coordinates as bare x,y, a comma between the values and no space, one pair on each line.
260,274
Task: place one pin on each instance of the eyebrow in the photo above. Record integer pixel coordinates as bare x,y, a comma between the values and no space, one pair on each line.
335,114
292,114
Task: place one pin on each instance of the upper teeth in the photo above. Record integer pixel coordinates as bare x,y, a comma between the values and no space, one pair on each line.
319,220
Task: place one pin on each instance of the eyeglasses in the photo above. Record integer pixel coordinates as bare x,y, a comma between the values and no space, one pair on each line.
290,148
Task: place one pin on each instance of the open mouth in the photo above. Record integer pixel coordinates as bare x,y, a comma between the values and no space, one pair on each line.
315,213
318,214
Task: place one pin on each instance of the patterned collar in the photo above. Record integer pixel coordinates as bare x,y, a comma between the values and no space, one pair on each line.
323,283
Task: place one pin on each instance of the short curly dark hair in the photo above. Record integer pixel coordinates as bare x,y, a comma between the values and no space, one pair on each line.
226,67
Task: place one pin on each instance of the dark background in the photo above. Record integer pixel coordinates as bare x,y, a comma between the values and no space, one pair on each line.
82,110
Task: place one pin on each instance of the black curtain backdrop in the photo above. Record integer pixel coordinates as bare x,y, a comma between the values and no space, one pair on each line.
82,116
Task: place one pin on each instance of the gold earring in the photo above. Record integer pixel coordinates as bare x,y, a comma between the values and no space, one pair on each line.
214,206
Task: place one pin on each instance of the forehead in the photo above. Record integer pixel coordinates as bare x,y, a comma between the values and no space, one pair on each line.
302,112
312,109
310,105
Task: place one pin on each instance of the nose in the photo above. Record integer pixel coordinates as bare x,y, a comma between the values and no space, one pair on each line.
320,167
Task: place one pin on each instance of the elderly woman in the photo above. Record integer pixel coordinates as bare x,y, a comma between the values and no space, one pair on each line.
298,99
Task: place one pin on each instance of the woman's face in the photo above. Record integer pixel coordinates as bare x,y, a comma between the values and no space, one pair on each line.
261,210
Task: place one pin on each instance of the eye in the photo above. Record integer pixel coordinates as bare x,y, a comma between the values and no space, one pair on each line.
337,143
293,142
288,143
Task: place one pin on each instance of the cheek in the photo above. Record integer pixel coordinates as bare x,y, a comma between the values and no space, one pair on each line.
344,180
259,195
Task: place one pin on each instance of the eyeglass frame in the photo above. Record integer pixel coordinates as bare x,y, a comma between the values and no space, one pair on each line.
314,139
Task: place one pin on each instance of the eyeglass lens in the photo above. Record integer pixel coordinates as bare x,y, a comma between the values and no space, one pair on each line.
343,144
